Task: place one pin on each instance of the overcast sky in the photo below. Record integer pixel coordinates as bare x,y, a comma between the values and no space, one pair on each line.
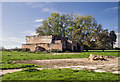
20,19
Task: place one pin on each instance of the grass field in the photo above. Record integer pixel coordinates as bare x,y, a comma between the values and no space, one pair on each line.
7,57
59,74
30,73
104,50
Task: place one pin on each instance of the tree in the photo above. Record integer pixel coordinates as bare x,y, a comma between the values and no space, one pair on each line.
2,48
82,29
113,38
103,40
54,25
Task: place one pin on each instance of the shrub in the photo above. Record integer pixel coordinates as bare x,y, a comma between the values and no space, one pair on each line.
54,50
117,48
43,52
38,52
9,50
31,51
17,49
39,49
31,69
9,62
67,51
25,50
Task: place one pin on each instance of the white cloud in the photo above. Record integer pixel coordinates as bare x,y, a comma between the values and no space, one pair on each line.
29,32
21,23
13,39
111,9
16,39
45,6
39,20
52,10
37,5
9,45
29,3
48,10
38,25
12,42
34,5
116,27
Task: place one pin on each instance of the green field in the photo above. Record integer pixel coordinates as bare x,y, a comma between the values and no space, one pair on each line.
8,57
104,50
51,74
59,74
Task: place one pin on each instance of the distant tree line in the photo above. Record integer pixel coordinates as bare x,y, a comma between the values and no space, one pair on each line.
82,29
15,49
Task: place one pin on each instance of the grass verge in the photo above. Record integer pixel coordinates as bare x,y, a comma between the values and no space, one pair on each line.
59,74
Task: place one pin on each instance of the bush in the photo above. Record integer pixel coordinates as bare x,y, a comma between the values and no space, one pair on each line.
117,48
9,62
67,51
54,50
43,52
30,69
31,51
18,49
39,49
25,50
3,49
38,52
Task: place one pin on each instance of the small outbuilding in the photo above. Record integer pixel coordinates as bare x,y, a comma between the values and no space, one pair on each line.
51,42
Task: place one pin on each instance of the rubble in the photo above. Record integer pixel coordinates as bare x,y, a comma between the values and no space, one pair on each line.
96,57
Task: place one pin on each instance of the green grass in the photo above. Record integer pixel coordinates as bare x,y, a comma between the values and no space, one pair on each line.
8,57
104,50
52,74
59,74
14,55
19,65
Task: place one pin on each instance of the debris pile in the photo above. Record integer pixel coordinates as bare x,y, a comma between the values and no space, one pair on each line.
95,57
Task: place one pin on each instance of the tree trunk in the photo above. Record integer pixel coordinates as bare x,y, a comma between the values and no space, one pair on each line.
86,50
103,50
112,45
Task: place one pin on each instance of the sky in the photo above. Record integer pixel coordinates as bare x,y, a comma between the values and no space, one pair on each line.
20,19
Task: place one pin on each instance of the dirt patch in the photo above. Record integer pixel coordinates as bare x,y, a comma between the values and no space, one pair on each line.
3,72
50,63
110,65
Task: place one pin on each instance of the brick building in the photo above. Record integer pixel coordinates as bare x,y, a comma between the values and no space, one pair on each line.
51,42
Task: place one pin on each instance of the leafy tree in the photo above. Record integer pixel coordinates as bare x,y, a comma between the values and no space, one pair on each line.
54,25
103,40
82,29
113,38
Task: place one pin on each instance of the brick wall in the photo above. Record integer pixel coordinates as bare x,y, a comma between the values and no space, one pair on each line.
38,39
50,42
30,46
46,46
